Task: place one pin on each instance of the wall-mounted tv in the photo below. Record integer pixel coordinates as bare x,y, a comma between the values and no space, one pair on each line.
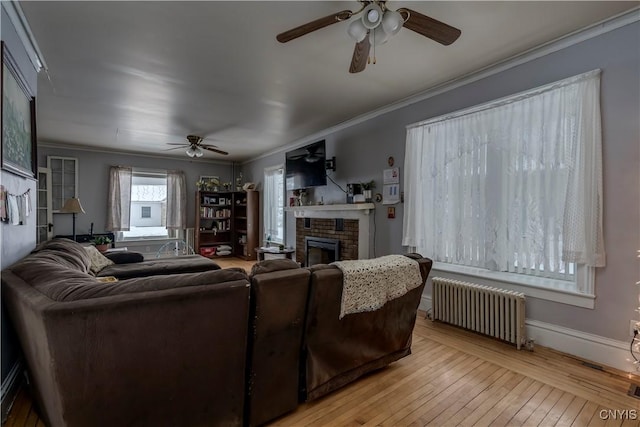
305,166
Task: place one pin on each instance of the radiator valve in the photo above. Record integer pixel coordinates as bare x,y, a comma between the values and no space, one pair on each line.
529,344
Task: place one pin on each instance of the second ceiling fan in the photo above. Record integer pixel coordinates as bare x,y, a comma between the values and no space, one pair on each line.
195,145
376,25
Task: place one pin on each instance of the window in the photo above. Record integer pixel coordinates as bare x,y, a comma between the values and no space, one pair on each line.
274,204
146,205
513,186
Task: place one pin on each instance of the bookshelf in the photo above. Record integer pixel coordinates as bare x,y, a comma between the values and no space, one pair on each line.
227,224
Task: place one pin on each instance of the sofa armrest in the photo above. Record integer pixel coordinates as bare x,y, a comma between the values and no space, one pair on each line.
337,351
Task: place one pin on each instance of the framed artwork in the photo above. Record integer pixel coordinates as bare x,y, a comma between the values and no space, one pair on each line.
18,120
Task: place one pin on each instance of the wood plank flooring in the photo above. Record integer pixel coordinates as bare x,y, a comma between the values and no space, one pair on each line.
455,377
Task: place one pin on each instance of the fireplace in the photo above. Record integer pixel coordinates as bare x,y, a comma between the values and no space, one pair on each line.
319,250
349,224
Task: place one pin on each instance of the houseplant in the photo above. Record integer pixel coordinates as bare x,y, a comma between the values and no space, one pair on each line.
101,243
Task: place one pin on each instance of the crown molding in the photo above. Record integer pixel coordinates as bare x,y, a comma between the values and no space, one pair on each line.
74,147
19,21
594,30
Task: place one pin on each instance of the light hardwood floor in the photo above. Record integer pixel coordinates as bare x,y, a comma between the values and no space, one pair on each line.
455,377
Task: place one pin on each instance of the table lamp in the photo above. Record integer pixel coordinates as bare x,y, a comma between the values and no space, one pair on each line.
74,207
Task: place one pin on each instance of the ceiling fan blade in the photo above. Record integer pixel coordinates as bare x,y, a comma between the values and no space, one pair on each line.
313,26
215,150
175,148
178,143
429,27
360,56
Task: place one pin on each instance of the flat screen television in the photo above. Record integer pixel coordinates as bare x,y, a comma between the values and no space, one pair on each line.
305,166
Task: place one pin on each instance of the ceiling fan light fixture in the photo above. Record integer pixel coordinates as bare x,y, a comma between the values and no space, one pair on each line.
199,152
392,22
357,30
371,16
191,152
378,36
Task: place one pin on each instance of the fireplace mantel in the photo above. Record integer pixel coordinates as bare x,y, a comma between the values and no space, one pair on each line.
352,210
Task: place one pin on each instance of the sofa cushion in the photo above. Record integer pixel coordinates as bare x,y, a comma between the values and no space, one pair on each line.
65,252
95,289
98,261
124,257
158,266
269,265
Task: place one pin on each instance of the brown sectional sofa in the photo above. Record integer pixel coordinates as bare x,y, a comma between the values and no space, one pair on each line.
161,350
217,347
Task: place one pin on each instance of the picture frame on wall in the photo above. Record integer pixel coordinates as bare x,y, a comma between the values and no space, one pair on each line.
18,148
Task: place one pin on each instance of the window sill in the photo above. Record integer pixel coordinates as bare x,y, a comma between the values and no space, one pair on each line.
145,238
535,287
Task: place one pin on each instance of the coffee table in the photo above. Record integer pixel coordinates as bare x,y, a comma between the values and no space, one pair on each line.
288,253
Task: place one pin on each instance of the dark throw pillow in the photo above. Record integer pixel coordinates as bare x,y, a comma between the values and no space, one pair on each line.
124,257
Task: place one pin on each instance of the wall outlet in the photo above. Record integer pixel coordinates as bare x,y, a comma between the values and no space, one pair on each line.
632,326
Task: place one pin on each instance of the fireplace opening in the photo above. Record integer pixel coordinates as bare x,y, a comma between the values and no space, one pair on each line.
319,250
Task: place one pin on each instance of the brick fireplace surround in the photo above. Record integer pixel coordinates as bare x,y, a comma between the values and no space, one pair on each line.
324,221
326,228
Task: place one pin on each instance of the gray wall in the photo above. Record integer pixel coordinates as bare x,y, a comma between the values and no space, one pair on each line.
17,240
93,183
362,151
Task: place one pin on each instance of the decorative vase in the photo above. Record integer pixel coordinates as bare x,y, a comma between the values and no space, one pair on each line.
367,195
103,247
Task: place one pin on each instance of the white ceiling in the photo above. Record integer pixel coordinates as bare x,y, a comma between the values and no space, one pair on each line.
134,76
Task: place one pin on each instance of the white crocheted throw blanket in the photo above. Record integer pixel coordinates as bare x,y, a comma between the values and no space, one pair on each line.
369,283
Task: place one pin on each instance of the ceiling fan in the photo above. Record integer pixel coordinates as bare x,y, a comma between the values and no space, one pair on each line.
376,26
195,146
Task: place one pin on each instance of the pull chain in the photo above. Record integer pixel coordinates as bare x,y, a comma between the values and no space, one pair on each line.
369,61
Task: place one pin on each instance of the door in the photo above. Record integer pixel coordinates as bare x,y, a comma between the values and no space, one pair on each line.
45,216
64,180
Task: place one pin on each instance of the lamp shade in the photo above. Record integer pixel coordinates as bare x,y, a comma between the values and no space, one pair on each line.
72,205
357,30
371,16
392,22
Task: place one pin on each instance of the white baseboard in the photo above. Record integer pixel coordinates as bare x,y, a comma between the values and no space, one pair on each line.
584,345
595,348
9,388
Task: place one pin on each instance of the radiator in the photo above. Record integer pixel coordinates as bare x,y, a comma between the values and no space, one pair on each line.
494,312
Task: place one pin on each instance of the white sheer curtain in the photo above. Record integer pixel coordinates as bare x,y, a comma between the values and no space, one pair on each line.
176,201
512,185
274,204
119,201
